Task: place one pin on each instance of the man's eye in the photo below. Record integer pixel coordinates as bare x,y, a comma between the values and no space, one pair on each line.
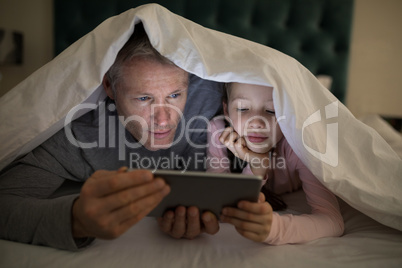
242,109
143,98
175,95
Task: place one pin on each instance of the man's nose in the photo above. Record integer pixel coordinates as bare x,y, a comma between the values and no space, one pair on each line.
161,115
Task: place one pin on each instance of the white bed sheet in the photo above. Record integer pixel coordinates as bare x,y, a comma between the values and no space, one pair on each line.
366,243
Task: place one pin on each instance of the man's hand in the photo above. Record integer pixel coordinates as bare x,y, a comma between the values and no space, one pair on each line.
112,201
251,220
259,163
186,223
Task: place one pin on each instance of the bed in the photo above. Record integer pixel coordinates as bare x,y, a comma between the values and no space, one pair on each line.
365,243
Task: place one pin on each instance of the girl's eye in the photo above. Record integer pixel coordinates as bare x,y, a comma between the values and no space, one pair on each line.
242,109
145,98
270,112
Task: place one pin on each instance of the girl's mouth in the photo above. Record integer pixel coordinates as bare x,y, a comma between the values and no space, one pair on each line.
256,138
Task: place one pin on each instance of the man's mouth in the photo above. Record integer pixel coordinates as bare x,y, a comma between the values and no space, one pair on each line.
160,134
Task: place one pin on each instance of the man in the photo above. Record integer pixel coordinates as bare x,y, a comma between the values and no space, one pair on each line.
141,122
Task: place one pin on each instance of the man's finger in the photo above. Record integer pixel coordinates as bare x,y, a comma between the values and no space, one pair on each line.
138,209
135,194
166,222
103,183
193,223
210,222
179,225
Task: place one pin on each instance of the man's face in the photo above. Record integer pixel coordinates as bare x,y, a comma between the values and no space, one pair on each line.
151,97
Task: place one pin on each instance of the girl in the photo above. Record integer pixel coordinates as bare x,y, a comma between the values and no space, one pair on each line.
254,136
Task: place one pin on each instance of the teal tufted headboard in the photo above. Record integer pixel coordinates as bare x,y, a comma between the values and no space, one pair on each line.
315,32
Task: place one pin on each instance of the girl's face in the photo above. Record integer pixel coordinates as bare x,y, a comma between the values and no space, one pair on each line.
252,115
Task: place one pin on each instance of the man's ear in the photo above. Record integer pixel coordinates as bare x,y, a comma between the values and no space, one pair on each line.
108,87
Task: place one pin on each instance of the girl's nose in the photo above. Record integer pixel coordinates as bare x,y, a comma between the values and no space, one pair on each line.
257,122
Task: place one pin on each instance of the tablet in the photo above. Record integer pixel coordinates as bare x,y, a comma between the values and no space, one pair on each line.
207,191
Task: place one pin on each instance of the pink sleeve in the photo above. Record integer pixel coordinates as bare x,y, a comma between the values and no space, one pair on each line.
217,160
247,171
325,219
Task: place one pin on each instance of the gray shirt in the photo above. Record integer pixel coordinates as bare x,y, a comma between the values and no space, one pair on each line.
37,191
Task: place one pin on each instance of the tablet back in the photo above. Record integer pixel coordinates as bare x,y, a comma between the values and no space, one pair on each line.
207,191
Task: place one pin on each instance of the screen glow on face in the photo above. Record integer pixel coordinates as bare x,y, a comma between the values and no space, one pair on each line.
252,114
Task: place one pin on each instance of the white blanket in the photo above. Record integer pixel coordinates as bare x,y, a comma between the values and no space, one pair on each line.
348,157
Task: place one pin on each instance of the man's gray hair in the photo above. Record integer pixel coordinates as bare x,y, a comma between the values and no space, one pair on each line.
137,46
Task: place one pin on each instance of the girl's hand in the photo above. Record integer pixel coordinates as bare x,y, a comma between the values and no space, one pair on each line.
251,220
259,163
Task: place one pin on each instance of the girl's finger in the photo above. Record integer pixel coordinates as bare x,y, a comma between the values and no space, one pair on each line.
245,215
241,149
232,138
261,198
225,133
262,208
257,237
245,228
228,138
